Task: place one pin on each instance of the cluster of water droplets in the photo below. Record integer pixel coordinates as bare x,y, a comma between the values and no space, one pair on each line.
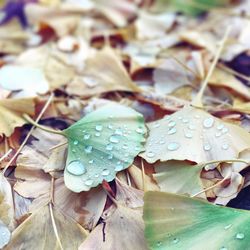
189,127
118,141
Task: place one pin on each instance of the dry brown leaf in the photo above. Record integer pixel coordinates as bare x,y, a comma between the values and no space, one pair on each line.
11,111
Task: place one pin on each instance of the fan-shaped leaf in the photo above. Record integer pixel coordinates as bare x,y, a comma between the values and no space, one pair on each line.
178,222
101,144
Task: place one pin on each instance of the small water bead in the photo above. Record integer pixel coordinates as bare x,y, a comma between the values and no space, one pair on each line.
109,147
240,236
225,146
97,134
185,120
118,167
96,175
140,130
156,125
86,136
217,134
114,139
91,161
118,131
172,146
197,116
162,142
89,182
75,142
224,130
98,127
88,149
137,148
175,240
223,248
125,146
73,150
150,154
126,155
110,156
110,126
191,126
76,168
207,147
171,124
220,126
105,172
188,135
208,122
111,116
180,117
172,131
159,243
227,226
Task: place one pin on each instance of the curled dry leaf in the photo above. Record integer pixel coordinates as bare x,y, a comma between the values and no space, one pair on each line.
195,135
38,231
11,111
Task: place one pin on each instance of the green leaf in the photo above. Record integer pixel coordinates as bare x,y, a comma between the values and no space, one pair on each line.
189,7
101,144
178,222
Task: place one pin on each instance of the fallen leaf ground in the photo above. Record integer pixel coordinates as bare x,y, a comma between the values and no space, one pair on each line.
124,124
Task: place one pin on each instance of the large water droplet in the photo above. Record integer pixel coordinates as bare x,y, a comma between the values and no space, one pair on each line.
105,172
171,124
89,182
240,236
88,149
172,146
98,127
175,240
172,131
225,146
150,154
227,226
208,122
114,139
86,136
109,147
207,147
76,168
75,142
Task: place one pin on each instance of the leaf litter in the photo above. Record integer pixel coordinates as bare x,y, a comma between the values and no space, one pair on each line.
104,102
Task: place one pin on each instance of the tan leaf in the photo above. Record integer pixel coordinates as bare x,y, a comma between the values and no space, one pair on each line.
11,111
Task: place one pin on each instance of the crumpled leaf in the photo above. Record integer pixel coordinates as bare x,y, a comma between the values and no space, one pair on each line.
99,77
30,80
179,178
178,222
195,135
37,232
101,144
123,229
11,111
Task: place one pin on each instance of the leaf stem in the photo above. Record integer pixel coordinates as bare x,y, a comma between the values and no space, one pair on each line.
220,161
49,130
197,102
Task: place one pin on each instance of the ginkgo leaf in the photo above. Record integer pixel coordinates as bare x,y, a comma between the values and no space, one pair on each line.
123,229
101,144
11,111
179,177
37,232
195,135
178,222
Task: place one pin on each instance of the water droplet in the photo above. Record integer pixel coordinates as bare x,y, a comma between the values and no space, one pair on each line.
227,226
109,147
76,168
162,142
179,117
217,134
208,122
89,182
225,146
172,131
125,146
86,136
114,139
105,172
150,154
156,125
88,149
96,175
171,124
223,248
172,146
137,148
97,134
185,120
73,150
220,126
240,236
197,116
224,130
118,167
76,142
98,127
159,243
207,147
110,126
175,240
188,135
191,126
140,130
91,161
110,156
118,131
111,116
